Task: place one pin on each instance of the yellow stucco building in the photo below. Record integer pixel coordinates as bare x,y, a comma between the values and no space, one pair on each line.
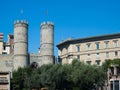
94,50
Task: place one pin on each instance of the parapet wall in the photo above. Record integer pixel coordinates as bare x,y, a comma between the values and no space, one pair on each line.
6,57
35,58
48,23
20,21
20,44
47,42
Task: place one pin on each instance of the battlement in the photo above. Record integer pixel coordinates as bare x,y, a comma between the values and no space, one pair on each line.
47,23
21,21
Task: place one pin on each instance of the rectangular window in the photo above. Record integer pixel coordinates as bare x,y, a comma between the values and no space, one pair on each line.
107,54
115,43
97,62
118,70
89,56
112,70
12,46
4,48
4,52
78,48
88,46
78,57
106,44
3,79
116,53
116,83
97,55
97,46
111,85
88,62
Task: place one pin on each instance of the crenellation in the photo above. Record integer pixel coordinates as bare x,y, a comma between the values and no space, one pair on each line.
16,53
21,21
47,42
20,44
47,23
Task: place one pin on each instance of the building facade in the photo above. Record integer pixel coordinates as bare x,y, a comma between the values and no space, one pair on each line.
20,44
47,42
4,81
14,52
1,42
16,48
93,50
6,47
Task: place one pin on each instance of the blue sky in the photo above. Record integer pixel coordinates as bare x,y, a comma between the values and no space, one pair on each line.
72,18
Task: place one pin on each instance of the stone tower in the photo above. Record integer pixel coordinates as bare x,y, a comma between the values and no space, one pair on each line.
47,42
20,43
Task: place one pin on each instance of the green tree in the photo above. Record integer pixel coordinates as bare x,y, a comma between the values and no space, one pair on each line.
85,77
19,77
68,76
108,63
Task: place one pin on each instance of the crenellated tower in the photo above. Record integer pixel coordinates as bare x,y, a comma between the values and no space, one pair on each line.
20,44
47,42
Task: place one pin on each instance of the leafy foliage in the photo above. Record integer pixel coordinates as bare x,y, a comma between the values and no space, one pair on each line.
69,76
108,63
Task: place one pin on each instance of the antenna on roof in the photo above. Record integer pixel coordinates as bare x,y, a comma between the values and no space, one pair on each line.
46,14
21,13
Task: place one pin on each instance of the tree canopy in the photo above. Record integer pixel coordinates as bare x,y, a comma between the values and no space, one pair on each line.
75,76
108,63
